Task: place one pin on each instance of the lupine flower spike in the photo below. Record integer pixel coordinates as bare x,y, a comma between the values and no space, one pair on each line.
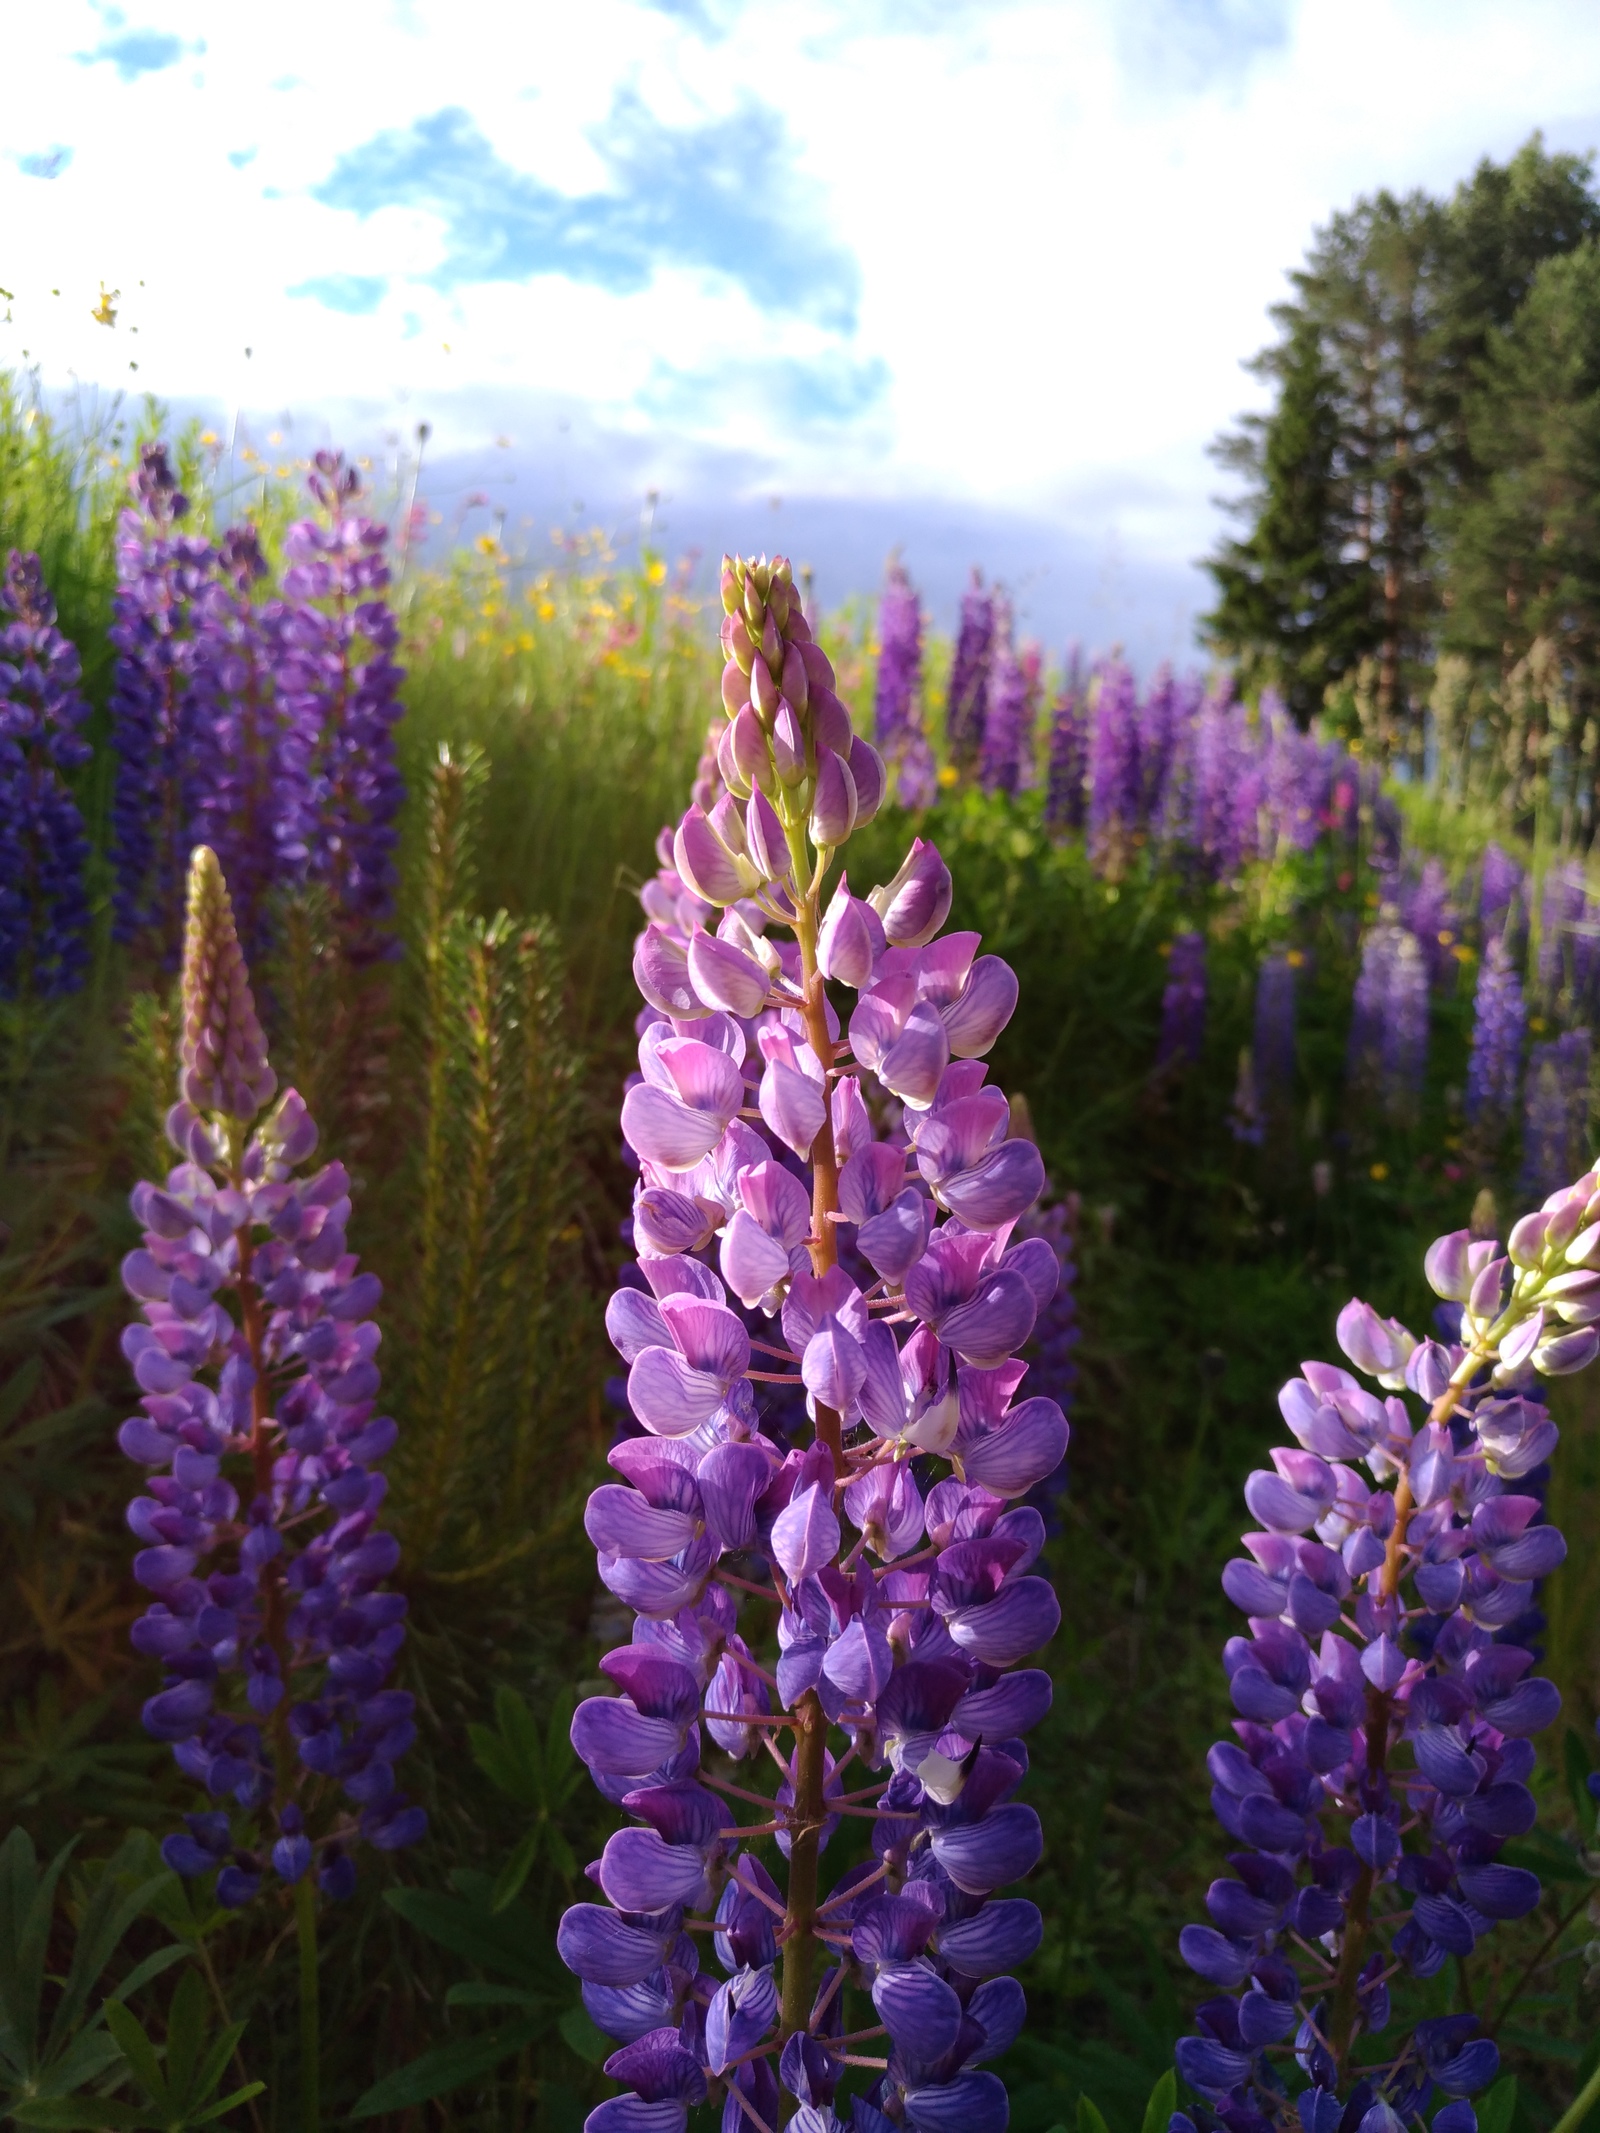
261,1439
826,1221
1386,1704
44,911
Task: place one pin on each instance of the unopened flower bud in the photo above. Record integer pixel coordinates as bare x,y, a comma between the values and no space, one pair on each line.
771,644
728,764
1448,1266
833,807
731,593
916,903
788,745
765,841
750,750
866,767
735,688
1565,1223
796,685
764,692
851,938
830,723
740,645
223,1050
779,601
755,608
1526,1242
1567,1353
1488,1292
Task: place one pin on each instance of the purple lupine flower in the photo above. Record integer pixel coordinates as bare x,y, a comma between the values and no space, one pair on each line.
1426,908
44,911
340,787
1066,795
1007,756
1562,908
1183,1003
1167,712
1555,1134
1499,1026
1388,1048
162,576
905,1604
1501,894
902,739
1383,1743
967,701
259,1433
1221,792
240,787
1116,782
1274,1041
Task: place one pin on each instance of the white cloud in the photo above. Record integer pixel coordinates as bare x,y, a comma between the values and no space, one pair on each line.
1070,216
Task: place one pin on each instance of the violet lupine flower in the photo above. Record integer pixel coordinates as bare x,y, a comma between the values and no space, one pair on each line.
240,788
261,1440
1426,909
1499,1026
44,911
1221,792
339,687
1066,791
1384,1739
1007,754
902,740
1274,1042
905,1603
1388,1049
1501,894
1116,781
162,575
1555,1134
1183,1003
967,702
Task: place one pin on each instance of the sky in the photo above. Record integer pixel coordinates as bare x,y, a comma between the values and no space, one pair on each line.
973,278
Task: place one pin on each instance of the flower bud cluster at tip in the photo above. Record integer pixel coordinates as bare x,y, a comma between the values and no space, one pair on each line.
223,1048
44,909
1385,1695
901,1565
262,1442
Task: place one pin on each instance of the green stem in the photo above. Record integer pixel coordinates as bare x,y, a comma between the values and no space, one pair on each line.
305,1919
1581,2105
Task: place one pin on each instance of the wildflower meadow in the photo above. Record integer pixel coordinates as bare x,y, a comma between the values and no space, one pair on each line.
763,1369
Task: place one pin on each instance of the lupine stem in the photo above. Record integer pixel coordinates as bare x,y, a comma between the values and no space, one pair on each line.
1581,2105
305,1919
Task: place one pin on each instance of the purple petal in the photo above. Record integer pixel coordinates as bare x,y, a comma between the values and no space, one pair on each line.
1014,1705
912,1065
984,1008
731,1478
603,1949
984,1855
805,1533
1028,1445
634,1323
752,1263
640,1871
793,1105
1003,1935
1023,1616
665,1132
725,977
619,1519
661,972
972,2103
833,1366
999,1189
708,1336
609,1734
893,1242
995,1322
920,2011
668,1396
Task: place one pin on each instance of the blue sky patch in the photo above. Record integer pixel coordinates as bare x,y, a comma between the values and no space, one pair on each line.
45,163
795,391
707,196
136,52
357,295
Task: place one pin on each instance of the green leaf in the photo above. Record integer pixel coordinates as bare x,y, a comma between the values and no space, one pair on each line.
501,1767
511,1942
516,1723
580,2035
436,2073
215,2111
1163,2102
1090,2118
1499,2106
110,1912
517,1868
186,2025
79,2114
209,2073
133,2042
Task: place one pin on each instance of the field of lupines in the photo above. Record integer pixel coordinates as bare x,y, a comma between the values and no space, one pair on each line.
1026,1040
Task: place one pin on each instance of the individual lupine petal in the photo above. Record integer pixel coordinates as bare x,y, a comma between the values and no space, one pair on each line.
911,1066
805,1534
792,1104
675,1129
1567,1353
1023,1616
1004,1934
657,2067
619,1520
741,2014
716,873
764,838
634,1323
892,1242
851,938
224,1053
833,807
859,1660
986,1005
996,1191
916,902
753,1264
1021,1450
921,2012
731,1479
1376,1345
867,770
628,2012
885,1504
668,1222
999,2007
640,1871
669,1396
974,2102
724,976
661,972
990,1325
834,1366
606,1950
1012,1706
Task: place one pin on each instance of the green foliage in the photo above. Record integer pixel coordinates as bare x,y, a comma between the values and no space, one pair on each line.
539,1773
178,2081
54,2042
